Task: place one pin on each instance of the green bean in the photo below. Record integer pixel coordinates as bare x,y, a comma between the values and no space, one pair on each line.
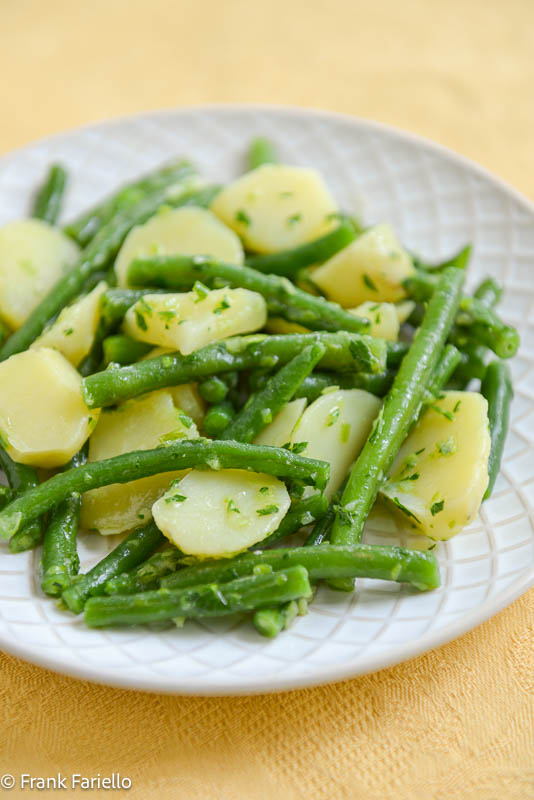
148,574
20,478
488,292
49,198
261,151
484,324
416,567
5,332
315,384
136,547
60,561
263,406
497,389
243,594
344,352
321,530
283,298
289,262
399,411
301,512
6,496
121,349
218,418
396,352
447,364
181,454
460,260
472,364
98,254
88,224
213,390
269,622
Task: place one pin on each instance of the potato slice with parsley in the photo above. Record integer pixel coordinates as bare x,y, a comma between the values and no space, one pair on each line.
186,231
276,207
139,424
220,513
404,308
372,267
439,477
33,256
191,320
73,332
278,432
43,417
335,427
383,317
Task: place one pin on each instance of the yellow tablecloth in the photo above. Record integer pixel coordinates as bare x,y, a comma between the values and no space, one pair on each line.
456,723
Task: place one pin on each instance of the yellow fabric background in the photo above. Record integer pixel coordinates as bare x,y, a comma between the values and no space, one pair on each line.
456,723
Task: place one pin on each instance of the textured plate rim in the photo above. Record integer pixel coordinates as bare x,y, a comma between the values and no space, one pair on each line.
321,674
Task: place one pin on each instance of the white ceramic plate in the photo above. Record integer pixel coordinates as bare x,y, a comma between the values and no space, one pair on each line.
437,201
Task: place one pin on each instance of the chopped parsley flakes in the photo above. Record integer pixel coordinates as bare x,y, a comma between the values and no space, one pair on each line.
368,282
176,498
435,508
263,512
242,217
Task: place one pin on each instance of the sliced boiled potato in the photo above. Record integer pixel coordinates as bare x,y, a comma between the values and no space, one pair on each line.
43,417
220,513
439,477
33,256
335,427
383,317
280,325
73,332
139,424
187,398
279,431
185,231
404,308
276,207
372,267
191,320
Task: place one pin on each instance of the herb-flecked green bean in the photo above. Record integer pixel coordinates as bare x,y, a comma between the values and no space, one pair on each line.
244,594
60,561
497,389
261,151
182,454
263,406
121,349
328,561
20,478
399,411
136,547
350,352
289,262
49,199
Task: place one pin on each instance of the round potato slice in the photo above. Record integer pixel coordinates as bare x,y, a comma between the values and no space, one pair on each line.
439,477
186,231
73,332
33,256
188,321
139,424
43,418
335,427
279,431
220,513
373,267
276,207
